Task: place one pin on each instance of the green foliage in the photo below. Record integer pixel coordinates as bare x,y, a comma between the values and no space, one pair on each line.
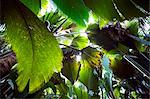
133,26
87,76
106,74
33,5
117,92
118,64
80,42
70,66
133,94
92,55
89,62
74,9
90,68
80,90
104,9
37,50
109,10
128,9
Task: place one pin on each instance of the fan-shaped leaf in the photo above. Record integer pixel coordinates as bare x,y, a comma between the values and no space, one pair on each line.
92,55
37,50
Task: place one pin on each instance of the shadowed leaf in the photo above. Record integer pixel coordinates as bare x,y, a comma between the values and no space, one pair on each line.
128,9
70,66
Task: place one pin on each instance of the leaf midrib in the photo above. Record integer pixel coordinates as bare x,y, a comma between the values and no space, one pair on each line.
30,35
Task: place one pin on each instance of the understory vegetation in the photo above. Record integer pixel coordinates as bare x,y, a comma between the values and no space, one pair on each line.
74,49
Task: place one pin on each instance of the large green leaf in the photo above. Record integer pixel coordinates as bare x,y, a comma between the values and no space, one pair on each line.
75,9
37,50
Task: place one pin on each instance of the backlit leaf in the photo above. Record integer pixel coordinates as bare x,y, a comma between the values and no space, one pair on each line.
37,50
44,6
80,42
